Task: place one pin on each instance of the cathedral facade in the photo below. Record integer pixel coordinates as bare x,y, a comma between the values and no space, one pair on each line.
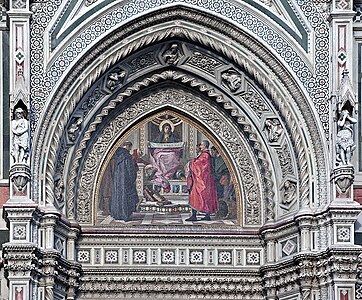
189,149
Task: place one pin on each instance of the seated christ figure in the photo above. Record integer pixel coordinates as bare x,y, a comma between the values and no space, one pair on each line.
165,155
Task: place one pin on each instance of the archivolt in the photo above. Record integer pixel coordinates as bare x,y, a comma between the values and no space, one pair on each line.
241,158
214,37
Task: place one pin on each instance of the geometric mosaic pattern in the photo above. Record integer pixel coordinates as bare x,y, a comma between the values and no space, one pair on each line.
168,256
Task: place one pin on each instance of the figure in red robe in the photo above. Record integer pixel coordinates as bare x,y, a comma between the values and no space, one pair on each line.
201,183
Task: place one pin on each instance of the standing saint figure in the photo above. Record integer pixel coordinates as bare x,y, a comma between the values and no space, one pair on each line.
19,128
344,142
221,173
201,183
124,193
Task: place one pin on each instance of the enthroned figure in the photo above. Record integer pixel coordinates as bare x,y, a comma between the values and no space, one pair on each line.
165,153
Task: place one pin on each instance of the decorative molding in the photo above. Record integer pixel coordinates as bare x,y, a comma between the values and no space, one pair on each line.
196,108
318,151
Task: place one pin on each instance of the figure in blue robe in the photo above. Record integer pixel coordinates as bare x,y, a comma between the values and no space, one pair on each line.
124,193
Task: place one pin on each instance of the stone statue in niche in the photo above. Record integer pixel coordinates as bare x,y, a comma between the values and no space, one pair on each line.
232,79
172,55
274,129
20,142
290,192
115,78
344,143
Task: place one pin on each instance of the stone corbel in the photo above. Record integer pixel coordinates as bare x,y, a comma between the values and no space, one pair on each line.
20,176
343,177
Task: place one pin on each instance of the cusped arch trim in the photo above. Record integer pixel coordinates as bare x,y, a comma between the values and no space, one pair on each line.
199,87
218,46
215,123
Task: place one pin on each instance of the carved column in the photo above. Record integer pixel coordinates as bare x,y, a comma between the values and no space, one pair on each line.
304,224
270,242
343,210
19,16
72,238
50,256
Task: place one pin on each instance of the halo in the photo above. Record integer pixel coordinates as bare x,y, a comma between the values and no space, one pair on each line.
166,122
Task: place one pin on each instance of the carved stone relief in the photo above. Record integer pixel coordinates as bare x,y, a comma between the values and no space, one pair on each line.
285,161
74,129
114,79
273,129
141,62
233,80
204,62
254,100
173,54
289,194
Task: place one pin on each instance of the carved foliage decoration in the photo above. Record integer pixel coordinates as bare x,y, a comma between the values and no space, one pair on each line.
285,160
195,107
204,62
255,101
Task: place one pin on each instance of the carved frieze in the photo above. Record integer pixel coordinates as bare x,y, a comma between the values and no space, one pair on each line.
173,287
204,62
254,100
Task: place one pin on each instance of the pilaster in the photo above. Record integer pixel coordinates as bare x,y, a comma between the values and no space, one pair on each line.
21,213
20,253
343,103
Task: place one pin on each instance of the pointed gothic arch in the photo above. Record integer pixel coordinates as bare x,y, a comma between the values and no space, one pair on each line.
251,68
275,91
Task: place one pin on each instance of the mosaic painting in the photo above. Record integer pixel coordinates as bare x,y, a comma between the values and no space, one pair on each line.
166,171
